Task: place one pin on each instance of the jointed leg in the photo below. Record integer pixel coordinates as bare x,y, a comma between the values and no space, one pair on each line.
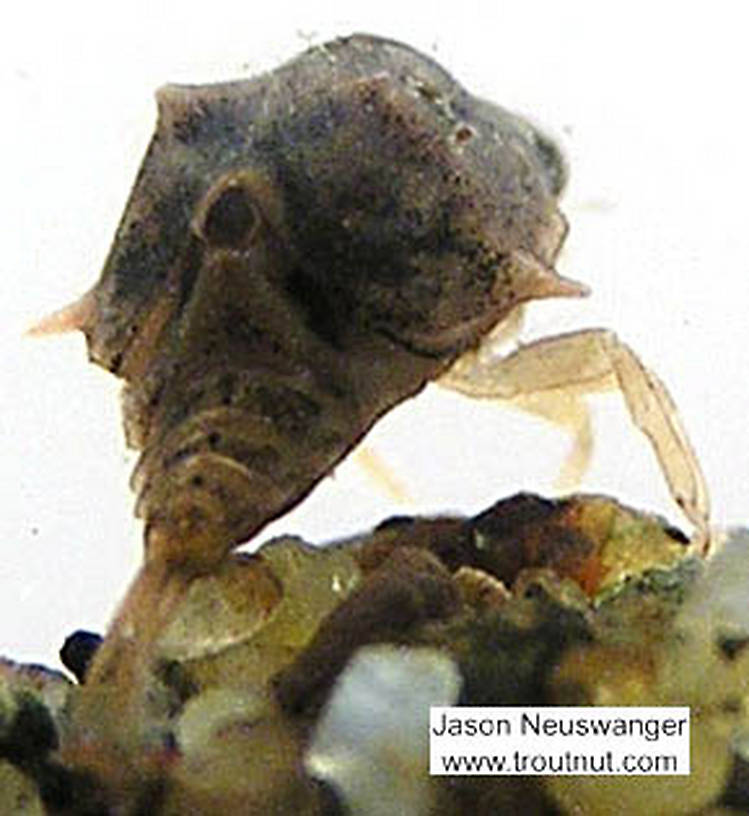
581,363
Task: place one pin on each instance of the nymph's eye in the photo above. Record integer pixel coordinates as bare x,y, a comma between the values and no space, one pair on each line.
231,220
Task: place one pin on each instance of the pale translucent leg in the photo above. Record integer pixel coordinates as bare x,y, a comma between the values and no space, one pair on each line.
381,474
551,376
377,469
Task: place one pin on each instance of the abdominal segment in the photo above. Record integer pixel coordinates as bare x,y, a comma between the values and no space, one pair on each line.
253,444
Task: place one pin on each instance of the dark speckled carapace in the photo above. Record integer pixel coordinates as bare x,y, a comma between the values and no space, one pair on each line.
301,252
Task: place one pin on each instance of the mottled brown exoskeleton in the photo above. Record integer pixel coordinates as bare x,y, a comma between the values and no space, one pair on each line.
303,251
300,253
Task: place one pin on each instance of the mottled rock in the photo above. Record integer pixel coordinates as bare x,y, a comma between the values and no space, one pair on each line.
371,741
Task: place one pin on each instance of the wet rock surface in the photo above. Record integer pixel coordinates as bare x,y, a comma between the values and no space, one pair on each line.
299,679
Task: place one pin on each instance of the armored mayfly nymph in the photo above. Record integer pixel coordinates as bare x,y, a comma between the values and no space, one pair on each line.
300,253
304,250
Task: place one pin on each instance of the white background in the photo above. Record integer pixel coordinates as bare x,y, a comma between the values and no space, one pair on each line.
649,103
